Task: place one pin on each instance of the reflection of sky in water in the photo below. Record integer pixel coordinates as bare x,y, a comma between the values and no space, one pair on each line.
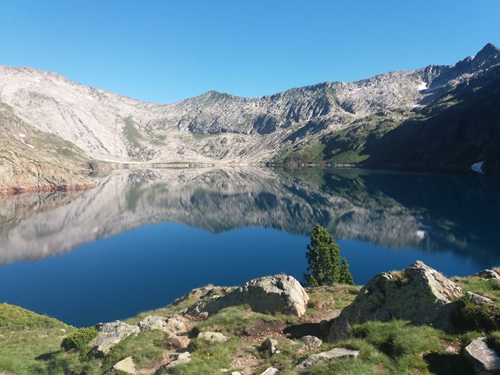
147,268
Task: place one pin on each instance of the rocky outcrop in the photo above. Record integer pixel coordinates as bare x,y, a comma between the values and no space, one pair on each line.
330,355
110,334
270,294
485,360
171,326
419,294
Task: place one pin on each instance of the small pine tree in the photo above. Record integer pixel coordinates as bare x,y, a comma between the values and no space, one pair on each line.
345,276
323,257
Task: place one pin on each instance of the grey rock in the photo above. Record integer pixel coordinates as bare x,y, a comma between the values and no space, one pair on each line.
127,366
326,357
270,294
181,357
487,274
270,371
478,299
212,337
171,326
418,293
110,334
484,359
311,341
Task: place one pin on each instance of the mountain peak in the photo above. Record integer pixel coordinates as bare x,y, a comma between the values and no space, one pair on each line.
489,48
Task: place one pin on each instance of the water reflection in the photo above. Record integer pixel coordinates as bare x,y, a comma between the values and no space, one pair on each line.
226,226
431,212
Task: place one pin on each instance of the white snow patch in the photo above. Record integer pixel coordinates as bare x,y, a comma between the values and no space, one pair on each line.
423,86
420,234
22,135
477,167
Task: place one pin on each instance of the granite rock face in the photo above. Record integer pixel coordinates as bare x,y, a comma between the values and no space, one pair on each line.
419,294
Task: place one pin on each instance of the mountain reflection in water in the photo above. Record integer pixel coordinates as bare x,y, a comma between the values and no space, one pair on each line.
381,219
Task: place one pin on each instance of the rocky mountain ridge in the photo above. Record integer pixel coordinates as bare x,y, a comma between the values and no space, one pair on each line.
225,129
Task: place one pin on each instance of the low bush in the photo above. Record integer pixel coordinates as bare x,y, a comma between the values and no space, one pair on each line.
79,340
471,317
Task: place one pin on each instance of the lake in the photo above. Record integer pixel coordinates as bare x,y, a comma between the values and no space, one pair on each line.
145,237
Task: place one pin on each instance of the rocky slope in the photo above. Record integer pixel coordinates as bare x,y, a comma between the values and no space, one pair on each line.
334,121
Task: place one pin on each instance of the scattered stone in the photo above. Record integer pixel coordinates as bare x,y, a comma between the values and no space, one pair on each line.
270,294
171,326
418,293
271,371
177,342
127,365
325,357
484,359
110,334
181,356
487,274
270,346
212,336
311,341
235,373
478,299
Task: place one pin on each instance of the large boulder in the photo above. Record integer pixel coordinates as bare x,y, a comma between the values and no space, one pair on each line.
270,294
484,358
110,334
418,293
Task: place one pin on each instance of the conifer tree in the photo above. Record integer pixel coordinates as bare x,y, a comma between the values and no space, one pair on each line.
345,276
323,257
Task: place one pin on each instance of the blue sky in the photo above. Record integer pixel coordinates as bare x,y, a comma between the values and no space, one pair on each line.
164,51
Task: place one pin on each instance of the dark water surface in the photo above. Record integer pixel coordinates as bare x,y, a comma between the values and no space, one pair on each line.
143,238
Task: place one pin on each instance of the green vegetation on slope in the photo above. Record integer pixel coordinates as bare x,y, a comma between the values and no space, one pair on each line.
31,344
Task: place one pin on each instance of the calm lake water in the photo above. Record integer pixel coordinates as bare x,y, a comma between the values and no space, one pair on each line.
143,238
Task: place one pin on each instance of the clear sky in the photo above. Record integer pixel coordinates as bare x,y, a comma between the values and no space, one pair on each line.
167,50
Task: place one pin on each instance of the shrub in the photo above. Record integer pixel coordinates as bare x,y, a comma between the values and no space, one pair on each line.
79,339
468,316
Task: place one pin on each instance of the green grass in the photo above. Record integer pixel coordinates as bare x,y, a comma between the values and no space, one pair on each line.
208,358
27,340
487,288
131,133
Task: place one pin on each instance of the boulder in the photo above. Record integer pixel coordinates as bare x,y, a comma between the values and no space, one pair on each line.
177,342
110,334
171,326
270,294
478,299
311,341
127,366
180,356
484,359
212,337
418,293
326,357
488,274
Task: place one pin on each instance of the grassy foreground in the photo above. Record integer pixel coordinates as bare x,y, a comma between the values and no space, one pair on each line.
31,343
